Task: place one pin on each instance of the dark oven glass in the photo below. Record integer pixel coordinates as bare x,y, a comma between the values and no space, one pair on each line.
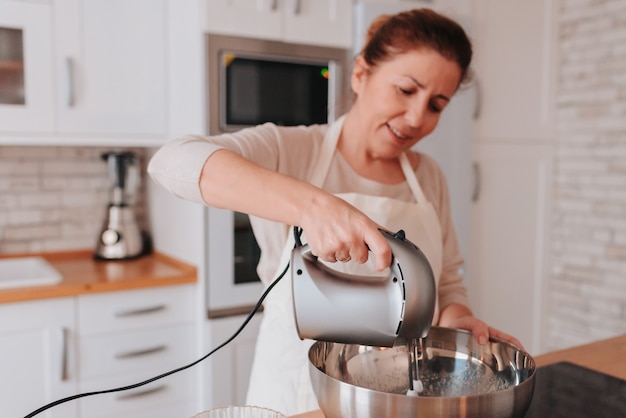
286,93
247,251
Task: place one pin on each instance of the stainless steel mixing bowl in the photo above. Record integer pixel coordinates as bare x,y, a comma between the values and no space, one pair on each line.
461,378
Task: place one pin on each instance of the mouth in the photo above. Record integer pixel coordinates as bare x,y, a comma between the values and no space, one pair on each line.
398,134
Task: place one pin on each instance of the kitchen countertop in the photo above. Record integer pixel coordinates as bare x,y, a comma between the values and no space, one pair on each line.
82,274
605,356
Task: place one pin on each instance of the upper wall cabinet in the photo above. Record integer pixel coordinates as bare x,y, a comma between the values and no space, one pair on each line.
314,22
72,71
515,55
26,98
110,66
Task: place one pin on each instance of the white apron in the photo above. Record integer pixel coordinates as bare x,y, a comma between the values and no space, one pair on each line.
280,377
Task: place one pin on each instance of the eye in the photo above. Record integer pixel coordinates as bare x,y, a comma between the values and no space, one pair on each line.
435,108
406,91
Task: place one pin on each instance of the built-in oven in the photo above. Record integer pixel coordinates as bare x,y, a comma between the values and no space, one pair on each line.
250,82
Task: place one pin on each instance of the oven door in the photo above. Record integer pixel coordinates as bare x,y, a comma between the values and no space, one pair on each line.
233,287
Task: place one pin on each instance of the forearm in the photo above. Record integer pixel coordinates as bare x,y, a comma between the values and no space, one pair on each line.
229,181
452,312
334,228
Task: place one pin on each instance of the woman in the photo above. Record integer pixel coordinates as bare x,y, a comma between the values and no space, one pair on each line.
341,183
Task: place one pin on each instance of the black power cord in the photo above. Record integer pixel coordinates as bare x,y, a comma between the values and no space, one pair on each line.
145,382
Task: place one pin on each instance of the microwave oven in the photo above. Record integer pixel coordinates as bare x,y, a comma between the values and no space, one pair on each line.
250,82
253,81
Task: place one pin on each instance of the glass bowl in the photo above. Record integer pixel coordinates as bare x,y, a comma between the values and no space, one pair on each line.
240,412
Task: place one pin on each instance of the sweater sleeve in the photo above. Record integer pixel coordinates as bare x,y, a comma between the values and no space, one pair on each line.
178,164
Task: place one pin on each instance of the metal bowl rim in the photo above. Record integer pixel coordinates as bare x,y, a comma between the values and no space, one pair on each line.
528,381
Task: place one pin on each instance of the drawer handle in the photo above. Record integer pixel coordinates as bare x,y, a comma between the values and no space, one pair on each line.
71,82
139,353
140,311
141,393
64,354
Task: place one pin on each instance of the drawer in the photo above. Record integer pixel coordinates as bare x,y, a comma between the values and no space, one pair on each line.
173,394
135,309
147,352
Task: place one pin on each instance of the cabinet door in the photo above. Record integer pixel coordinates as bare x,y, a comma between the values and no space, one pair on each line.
37,357
508,236
248,18
111,66
514,61
318,22
314,22
26,98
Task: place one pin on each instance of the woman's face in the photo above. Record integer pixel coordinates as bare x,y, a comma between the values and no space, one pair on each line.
399,102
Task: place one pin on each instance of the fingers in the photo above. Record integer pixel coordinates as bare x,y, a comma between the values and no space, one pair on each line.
337,231
506,337
380,247
482,332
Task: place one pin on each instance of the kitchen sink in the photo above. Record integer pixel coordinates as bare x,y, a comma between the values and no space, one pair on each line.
27,271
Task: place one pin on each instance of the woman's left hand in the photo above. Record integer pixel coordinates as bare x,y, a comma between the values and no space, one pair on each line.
482,332
460,316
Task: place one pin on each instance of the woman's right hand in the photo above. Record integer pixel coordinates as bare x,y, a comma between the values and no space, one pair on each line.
337,231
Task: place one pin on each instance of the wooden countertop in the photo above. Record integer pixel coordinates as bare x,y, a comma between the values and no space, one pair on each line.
82,274
606,356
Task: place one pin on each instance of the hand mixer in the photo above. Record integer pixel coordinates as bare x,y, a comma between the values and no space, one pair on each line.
377,311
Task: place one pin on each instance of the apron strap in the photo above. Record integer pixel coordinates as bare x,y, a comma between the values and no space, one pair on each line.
322,166
327,152
411,179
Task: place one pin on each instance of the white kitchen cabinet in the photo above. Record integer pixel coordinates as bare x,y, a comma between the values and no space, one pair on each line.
128,337
37,357
26,82
52,349
111,66
509,228
514,43
315,22
232,364
514,132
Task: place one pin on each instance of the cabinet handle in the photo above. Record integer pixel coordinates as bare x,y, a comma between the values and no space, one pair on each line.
140,311
476,192
297,7
71,92
142,352
274,5
64,334
141,393
478,104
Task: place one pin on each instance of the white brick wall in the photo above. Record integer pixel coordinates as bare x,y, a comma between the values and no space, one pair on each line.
54,198
587,289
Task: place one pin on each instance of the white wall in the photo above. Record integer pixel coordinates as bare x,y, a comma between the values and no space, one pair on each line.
55,198
586,297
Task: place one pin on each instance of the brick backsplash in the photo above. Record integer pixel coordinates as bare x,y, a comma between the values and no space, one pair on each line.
55,198
586,296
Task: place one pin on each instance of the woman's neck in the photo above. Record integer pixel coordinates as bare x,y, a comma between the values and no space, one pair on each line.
353,147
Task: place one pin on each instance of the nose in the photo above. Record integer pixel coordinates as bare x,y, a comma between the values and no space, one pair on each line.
416,113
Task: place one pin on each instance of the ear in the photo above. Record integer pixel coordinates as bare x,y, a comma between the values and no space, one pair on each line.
359,74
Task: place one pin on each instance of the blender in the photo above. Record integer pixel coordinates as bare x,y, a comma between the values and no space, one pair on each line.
120,237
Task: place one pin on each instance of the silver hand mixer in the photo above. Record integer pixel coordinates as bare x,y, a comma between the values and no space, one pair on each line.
375,311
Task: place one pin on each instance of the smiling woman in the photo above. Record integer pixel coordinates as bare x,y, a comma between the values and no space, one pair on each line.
397,105
341,183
